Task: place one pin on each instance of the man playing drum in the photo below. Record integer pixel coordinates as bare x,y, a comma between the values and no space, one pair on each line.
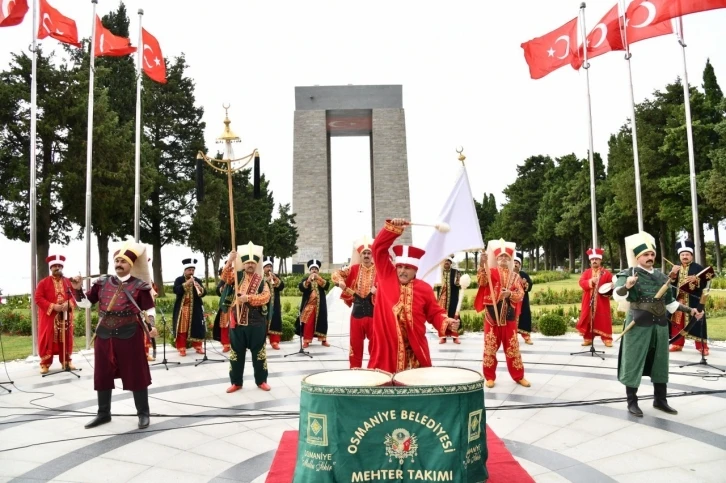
595,316
403,305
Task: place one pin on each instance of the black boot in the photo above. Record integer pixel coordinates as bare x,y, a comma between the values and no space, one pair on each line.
659,401
104,409
141,399
633,408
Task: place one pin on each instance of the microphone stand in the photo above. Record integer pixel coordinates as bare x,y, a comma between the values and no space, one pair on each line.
163,346
301,351
205,358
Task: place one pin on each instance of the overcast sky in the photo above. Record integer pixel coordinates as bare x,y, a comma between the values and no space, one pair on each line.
465,82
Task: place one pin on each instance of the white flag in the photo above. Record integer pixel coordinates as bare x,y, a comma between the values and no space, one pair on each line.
460,213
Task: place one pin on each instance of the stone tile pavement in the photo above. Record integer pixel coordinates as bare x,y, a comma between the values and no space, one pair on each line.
199,433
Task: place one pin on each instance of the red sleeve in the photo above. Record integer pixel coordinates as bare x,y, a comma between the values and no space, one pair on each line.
384,240
585,279
144,299
45,305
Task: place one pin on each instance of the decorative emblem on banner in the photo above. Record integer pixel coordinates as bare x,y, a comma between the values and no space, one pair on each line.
475,425
401,445
317,429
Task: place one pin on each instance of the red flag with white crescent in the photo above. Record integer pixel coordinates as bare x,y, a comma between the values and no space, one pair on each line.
551,51
640,25
152,59
55,24
108,44
12,12
656,11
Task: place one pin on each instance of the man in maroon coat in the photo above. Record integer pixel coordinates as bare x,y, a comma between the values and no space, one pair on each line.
56,308
124,301
591,280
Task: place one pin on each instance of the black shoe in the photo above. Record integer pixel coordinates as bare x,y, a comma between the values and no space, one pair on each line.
141,399
104,410
659,401
98,420
632,393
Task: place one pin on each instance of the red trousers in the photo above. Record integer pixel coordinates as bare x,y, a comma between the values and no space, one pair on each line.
506,335
678,323
309,328
181,341
224,335
360,329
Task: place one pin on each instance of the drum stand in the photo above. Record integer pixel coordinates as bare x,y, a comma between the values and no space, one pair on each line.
163,345
703,361
301,351
592,350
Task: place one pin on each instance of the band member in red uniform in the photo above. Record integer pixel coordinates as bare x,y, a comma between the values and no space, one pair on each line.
123,299
687,271
56,308
447,295
591,280
274,314
358,285
501,293
314,307
403,305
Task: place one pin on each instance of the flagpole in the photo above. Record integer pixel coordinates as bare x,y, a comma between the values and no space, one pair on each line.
586,66
691,156
33,193
89,166
137,149
633,129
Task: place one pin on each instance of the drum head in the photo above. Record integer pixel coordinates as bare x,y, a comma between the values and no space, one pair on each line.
349,378
436,376
606,288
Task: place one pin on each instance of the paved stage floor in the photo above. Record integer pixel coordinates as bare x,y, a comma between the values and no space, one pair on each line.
199,433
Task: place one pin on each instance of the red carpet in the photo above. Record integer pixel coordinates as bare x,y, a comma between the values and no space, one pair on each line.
501,464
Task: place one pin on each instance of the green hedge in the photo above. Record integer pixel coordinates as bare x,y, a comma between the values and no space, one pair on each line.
552,324
551,297
548,276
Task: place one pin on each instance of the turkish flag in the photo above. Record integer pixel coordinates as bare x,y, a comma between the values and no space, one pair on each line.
12,12
108,44
551,51
656,11
55,24
603,38
152,59
639,28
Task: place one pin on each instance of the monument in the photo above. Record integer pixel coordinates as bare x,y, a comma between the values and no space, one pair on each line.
322,112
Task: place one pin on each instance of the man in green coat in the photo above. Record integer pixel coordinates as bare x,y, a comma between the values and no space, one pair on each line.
644,349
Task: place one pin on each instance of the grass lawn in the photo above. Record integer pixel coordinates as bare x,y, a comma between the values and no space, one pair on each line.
19,347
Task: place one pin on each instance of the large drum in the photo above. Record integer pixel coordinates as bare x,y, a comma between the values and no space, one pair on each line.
606,289
428,426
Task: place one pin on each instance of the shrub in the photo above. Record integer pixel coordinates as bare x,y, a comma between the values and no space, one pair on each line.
15,323
286,306
552,324
549,276
550,297
288,330
470,322
466,303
